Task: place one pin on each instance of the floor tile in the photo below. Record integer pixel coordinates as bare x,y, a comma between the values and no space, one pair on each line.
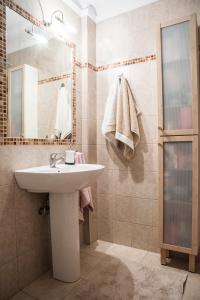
22,296
94,259
152,259
192,287
97,248
120,251
88,263
47,288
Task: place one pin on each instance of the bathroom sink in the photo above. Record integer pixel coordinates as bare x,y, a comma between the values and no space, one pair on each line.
62,179
63,184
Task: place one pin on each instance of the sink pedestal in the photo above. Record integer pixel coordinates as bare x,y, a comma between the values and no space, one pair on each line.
62,183
64,220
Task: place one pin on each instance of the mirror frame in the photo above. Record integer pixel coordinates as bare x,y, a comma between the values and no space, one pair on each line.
4,139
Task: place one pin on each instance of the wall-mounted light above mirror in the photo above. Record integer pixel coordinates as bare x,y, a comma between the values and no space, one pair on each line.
57,24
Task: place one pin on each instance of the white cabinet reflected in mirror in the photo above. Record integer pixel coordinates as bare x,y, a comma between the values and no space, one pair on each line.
40,81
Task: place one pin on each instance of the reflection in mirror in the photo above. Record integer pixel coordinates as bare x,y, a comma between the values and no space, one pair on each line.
39,69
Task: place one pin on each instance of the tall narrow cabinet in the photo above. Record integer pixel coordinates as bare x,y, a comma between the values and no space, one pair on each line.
178,129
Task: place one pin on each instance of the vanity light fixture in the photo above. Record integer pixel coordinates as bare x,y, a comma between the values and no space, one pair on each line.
39,38
60,28
57,25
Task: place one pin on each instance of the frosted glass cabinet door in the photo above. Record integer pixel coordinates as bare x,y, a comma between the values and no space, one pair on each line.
15,103
176,65
177,193
178,84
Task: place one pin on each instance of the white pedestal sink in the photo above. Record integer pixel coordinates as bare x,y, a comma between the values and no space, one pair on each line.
62,183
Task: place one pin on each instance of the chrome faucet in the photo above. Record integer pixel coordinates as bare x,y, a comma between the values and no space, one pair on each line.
54,159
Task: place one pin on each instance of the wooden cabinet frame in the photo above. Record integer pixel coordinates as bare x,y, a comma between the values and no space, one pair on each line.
187,135
195,187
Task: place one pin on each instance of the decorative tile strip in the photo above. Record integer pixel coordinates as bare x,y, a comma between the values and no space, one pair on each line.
55,78
86,65
26,141
79,64
128,62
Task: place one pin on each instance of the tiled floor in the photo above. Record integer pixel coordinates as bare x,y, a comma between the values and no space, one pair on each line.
46,288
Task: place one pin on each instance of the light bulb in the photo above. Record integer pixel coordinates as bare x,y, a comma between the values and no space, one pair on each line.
38,37
61,28
41,39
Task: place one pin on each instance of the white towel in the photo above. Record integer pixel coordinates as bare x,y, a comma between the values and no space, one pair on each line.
109,121
63,125
120,124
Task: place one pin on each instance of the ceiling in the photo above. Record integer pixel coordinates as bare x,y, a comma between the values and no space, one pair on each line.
106,9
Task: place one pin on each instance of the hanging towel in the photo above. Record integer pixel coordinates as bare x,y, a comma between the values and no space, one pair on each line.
109,121
85,195
63,125
120,124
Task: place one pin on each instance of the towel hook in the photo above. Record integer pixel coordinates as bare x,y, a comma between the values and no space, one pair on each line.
62,85
120,75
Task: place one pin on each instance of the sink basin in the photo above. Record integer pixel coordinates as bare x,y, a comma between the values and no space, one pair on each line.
63,184
62,179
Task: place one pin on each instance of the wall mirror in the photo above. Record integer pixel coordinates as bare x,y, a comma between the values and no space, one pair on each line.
40,69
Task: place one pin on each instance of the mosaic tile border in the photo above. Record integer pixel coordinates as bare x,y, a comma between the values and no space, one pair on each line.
55,78
4,140
128,62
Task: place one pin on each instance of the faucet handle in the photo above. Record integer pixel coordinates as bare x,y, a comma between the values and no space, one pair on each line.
53,155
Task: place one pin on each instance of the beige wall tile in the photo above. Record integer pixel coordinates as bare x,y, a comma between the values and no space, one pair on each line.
105,229
137,184
100,138
155,213
142,236
104,156
122,208
145,159
7,196
8,280
155,246
93,228
31,229
105,206
32,264
89,131
122,233
105,182
142,211
5,178
8,250
90,152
